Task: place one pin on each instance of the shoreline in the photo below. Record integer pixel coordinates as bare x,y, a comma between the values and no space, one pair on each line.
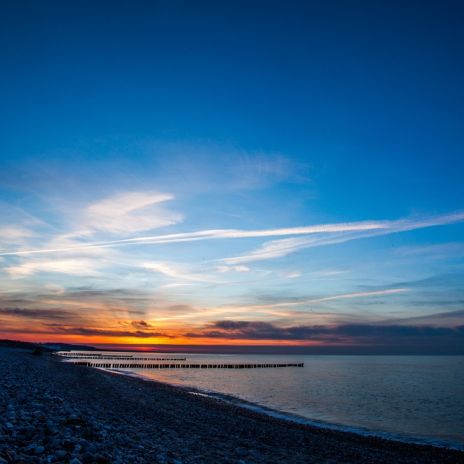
56,412
295,418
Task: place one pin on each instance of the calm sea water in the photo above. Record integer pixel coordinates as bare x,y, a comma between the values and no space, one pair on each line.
413,397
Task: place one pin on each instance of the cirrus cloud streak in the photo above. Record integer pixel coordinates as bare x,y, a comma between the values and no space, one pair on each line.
330,234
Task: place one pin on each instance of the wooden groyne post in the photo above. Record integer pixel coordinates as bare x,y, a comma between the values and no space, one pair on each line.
119,365
119,358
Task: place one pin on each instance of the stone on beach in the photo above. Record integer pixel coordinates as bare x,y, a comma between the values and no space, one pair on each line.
52,412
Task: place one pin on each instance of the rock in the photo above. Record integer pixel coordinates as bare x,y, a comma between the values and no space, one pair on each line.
67,444
100,459
39,450
88,458
242,452
77,448
91,448
161,459
75,461
53,443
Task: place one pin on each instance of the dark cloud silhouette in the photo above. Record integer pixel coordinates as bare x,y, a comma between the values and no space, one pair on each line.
91,332
449,280
36,313
362,333
457,315
140,324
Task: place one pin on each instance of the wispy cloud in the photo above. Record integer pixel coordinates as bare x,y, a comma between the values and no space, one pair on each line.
13,233
330,272
127,213
222,168
223,269
436,251
74,266
343,296
284,247
176,285
273,309
316,235
176,271
293,274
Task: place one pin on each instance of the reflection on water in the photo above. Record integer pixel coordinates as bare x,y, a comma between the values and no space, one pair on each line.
416,396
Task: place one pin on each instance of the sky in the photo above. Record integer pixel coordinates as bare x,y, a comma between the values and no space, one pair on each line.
233,173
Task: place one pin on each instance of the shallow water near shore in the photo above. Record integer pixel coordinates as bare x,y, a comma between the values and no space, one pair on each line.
416,398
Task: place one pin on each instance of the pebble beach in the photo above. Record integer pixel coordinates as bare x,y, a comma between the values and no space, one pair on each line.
54,412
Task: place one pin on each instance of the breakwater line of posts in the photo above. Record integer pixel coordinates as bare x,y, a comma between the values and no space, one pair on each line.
119,358
119,365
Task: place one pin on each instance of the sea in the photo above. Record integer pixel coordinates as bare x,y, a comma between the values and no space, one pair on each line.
417,399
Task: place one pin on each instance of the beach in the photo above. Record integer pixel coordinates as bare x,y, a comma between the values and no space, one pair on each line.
58,412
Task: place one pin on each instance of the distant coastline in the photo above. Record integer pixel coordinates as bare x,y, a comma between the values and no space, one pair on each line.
5,343
455,350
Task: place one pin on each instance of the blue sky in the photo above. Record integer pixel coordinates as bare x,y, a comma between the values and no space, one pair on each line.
310,154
